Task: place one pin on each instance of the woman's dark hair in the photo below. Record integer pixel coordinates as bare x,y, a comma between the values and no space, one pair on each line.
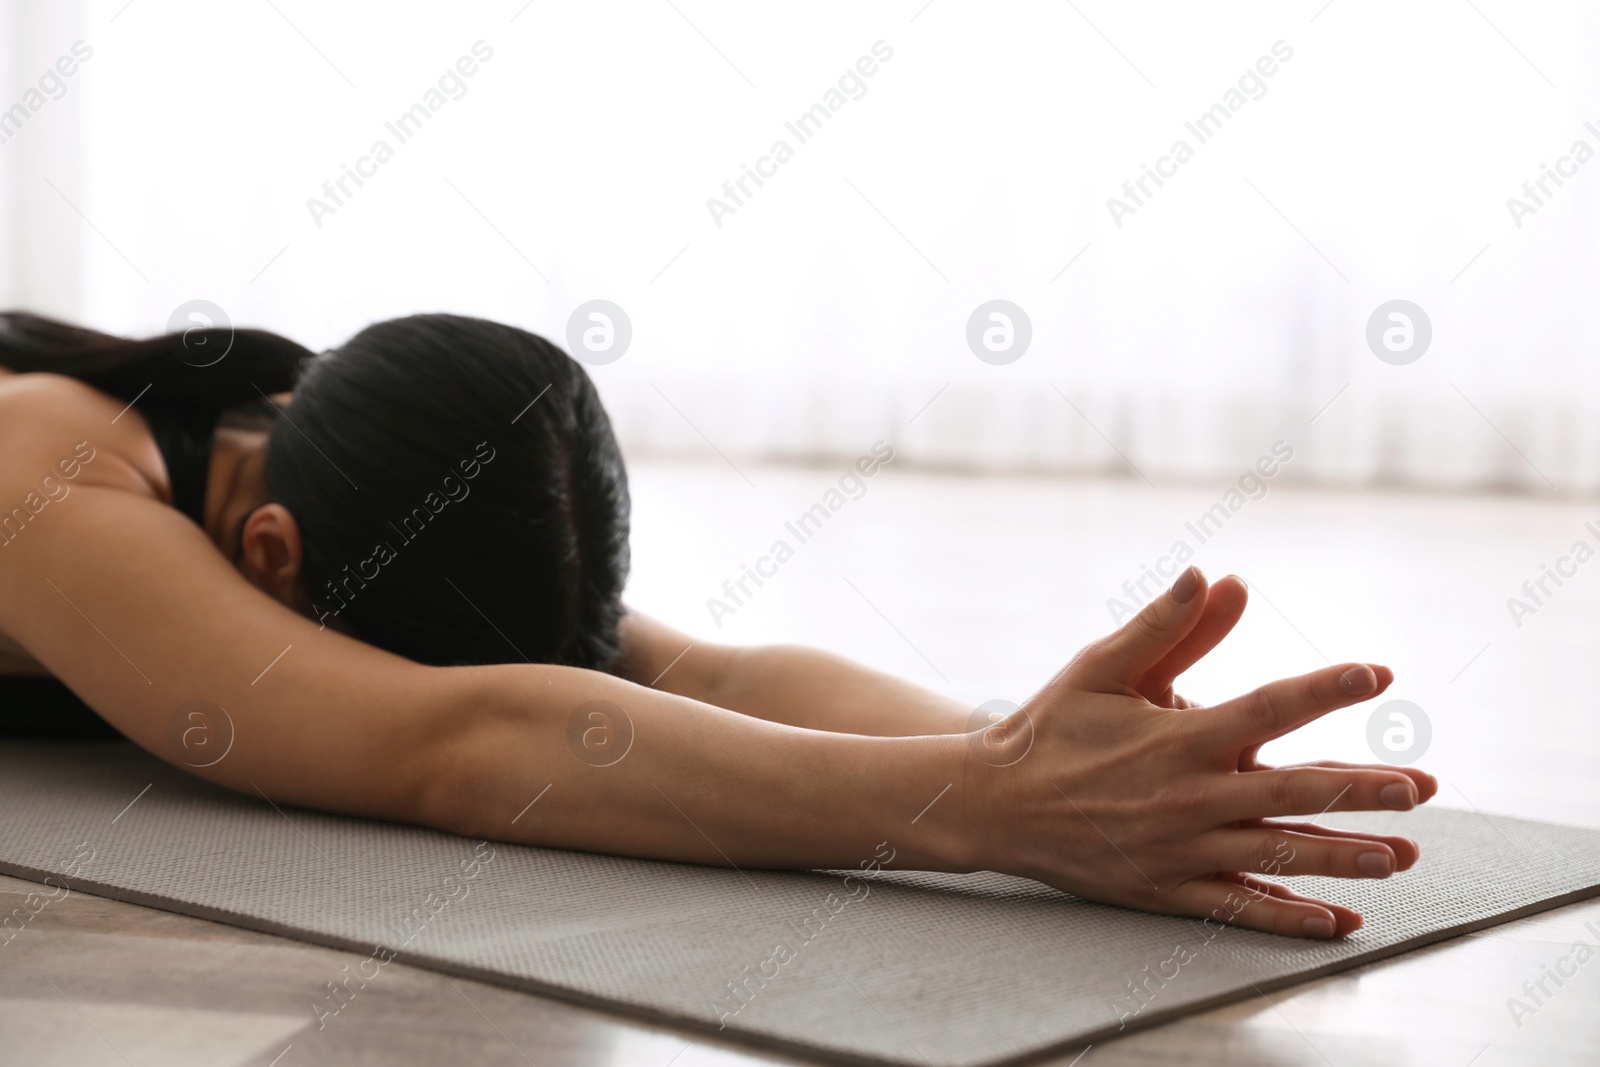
459,493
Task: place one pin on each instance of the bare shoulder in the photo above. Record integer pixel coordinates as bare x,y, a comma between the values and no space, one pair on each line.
128,603
58,431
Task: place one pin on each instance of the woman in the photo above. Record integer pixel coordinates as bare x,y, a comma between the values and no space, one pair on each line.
398,594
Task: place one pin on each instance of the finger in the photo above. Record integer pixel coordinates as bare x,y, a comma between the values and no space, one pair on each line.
1406,851
1249,762
1273,851
1346,920
1282,706
1123,657
1225,900
1311,791
1225,603
1427,785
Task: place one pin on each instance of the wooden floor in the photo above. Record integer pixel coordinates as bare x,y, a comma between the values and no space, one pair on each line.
981,589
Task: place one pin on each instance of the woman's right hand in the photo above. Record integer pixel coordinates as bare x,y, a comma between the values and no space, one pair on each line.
1094,789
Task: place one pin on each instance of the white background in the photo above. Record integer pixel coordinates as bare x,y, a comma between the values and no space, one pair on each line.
831,308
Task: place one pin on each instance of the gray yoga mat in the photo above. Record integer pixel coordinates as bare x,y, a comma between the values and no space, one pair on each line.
896,967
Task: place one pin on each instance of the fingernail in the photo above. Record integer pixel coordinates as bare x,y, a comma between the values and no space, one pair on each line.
1373,864
1358,680
1317,926
1398,796
1183,589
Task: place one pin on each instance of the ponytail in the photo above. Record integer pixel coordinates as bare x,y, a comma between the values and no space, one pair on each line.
203,371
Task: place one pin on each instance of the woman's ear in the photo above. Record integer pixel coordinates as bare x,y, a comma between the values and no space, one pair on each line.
270,553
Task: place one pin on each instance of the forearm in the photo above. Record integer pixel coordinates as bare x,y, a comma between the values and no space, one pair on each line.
790,684
684,780
822,691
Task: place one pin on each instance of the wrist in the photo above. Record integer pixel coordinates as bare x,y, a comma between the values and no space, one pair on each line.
928,815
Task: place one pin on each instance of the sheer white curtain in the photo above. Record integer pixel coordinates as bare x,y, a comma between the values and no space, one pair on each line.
1355,154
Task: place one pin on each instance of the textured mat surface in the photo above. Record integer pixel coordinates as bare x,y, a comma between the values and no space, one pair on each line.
894,967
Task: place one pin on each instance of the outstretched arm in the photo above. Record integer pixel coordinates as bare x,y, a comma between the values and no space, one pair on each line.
791,684
1091,787
128,603
819,690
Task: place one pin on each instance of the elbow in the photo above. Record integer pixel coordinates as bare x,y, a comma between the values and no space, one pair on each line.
464,773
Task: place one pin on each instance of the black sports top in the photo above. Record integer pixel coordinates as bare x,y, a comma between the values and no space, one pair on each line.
44,707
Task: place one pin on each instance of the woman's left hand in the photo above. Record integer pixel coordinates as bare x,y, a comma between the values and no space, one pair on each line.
1225,604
